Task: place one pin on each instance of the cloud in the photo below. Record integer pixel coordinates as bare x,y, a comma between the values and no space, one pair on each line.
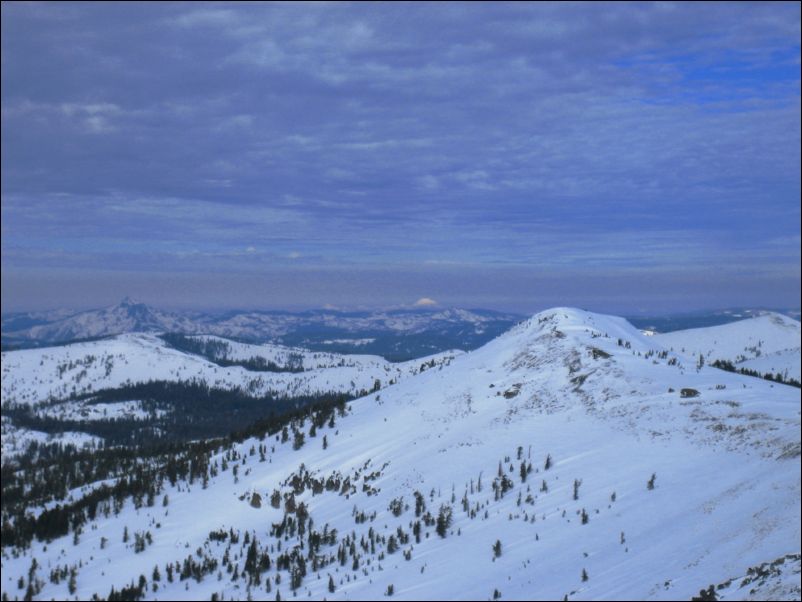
425,302
556,135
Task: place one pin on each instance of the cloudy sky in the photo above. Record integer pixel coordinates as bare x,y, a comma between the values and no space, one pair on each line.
619,157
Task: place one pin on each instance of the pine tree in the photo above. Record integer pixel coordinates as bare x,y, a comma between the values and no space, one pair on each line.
497,549
443,520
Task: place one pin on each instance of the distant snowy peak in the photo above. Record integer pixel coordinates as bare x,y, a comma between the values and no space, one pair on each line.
127,316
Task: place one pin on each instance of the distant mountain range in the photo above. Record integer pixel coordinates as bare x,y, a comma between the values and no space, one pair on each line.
398,334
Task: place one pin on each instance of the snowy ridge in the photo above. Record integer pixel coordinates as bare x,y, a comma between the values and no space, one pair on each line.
765,343
610,468
36,375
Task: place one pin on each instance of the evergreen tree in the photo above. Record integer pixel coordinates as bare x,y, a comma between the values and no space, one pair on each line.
443,520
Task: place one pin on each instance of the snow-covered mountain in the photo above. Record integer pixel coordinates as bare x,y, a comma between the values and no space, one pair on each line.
769,343
62,383
571,456
398,334
127,316
37,375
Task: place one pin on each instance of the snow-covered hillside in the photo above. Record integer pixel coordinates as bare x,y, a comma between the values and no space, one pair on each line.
765,343
48,380
572,456
36,375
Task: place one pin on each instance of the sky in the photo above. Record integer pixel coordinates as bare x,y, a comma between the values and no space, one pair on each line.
625,158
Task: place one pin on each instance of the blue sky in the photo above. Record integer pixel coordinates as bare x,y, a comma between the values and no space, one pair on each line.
620,157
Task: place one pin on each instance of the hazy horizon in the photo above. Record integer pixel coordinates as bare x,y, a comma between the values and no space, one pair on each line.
421,305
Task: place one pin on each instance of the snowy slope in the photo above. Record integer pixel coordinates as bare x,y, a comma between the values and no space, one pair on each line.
603,401
766,343
786,363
